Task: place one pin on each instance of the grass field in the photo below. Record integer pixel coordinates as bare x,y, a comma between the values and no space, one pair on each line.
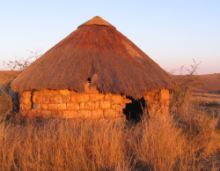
208,101
186,139
210,104
209,83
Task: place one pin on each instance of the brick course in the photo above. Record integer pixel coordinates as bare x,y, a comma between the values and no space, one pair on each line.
69,104
90,104
158,101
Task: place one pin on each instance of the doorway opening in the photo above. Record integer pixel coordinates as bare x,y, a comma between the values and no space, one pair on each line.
135,110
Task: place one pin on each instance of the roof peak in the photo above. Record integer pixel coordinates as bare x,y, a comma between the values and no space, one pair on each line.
97,20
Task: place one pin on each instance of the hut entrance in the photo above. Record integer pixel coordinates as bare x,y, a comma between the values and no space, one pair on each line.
135,109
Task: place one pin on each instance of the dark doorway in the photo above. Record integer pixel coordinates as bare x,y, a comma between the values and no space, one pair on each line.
135,109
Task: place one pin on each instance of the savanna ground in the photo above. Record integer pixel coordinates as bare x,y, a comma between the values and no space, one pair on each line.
186,139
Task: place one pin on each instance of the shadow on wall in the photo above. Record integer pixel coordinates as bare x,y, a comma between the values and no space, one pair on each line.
135,110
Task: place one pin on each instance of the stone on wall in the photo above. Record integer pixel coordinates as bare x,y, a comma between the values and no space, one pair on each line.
69,104
25,101
165,100
89,104
157,101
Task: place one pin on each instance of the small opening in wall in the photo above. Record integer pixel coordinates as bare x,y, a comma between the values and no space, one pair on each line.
135,109
31,99
89,80
15,100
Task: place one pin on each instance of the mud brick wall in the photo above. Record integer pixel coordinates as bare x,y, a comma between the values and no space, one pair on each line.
69,104
158,101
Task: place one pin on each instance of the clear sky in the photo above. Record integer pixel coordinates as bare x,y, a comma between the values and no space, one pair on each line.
172,32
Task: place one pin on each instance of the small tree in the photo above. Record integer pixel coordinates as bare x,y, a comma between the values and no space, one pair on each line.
20,65
183,88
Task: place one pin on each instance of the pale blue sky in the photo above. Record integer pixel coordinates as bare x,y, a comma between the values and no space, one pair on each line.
172,32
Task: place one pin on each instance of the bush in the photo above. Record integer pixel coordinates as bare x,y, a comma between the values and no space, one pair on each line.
21,64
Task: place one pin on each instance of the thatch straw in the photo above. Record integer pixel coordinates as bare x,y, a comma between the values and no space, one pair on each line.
96,21
94,49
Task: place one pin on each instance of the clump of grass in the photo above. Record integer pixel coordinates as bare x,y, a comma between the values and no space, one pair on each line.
159,144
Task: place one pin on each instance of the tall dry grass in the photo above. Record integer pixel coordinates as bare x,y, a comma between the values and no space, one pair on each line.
198,125
158,143
181,141
153,144
63,145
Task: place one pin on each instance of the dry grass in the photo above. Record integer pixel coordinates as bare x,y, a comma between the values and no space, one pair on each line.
63,145
205,83
159,144
207,99
155,144
181,141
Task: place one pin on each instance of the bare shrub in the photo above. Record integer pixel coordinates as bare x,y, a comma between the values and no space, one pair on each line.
22,64
183,86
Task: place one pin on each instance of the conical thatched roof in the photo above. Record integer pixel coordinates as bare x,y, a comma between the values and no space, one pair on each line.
95,50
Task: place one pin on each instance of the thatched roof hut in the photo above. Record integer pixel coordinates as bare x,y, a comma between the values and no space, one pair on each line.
96,52
95,48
